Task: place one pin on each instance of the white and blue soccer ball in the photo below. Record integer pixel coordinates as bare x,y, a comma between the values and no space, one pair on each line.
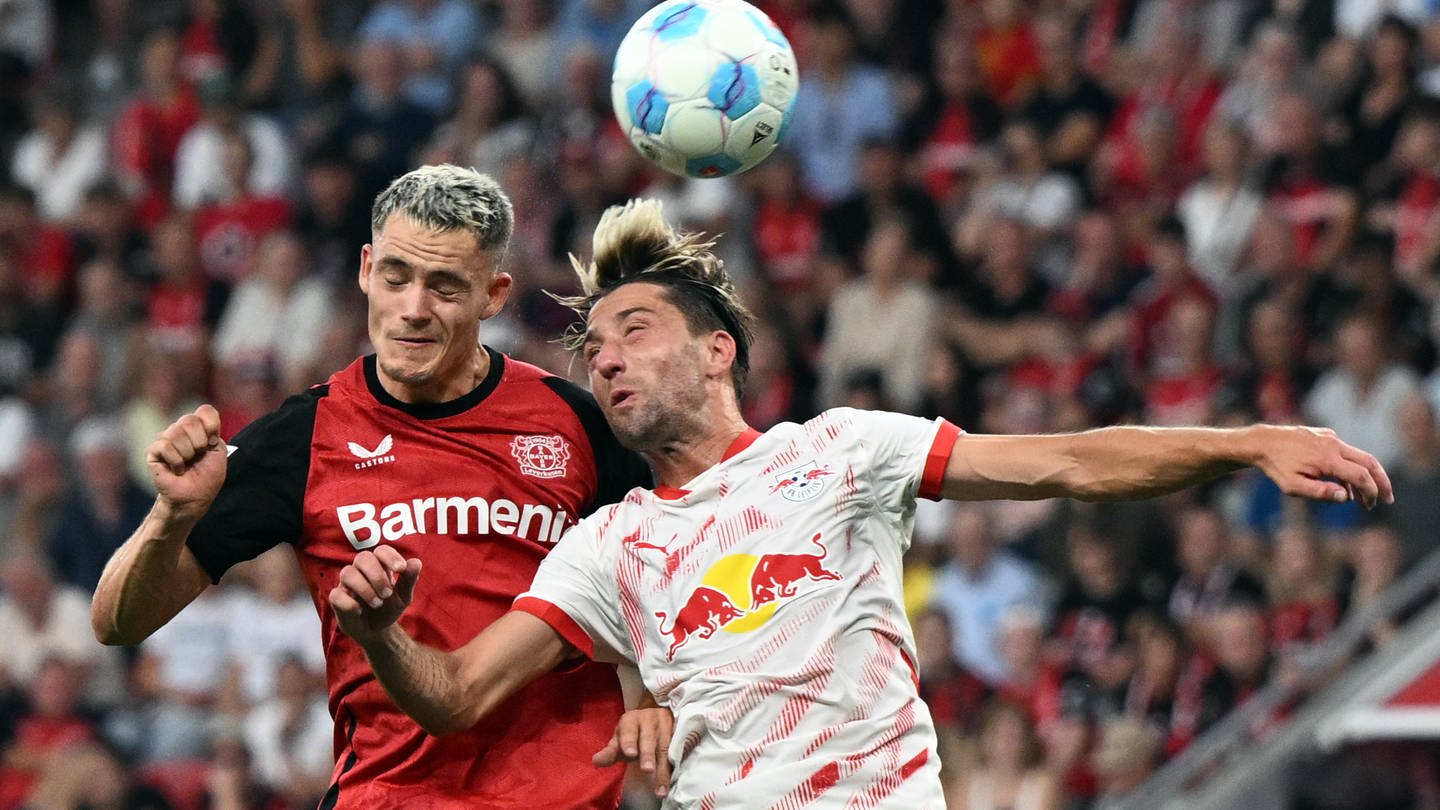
704,88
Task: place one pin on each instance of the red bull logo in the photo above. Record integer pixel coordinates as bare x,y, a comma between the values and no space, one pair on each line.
740,592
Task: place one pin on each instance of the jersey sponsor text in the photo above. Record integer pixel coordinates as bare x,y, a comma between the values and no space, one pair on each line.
366,524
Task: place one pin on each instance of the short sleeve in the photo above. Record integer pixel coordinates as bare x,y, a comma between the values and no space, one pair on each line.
906,455
261,502
575,592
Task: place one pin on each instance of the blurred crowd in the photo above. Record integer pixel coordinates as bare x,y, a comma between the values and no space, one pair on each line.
1020,216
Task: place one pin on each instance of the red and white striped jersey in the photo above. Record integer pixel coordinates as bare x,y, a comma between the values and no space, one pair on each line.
762,603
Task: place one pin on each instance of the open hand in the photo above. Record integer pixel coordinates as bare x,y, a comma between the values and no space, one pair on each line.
642,735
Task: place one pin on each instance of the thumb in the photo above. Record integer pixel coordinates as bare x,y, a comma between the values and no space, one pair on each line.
608,755
405,584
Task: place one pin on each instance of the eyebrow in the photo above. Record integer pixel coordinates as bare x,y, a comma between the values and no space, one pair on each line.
619,316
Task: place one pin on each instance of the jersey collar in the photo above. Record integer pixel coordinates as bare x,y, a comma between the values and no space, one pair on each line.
437,410
744,440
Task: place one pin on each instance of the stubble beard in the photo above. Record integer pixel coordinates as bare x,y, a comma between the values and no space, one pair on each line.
671,417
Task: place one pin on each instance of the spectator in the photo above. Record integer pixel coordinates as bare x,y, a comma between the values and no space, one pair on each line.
1374,565
1220,209
1006,52
840,105
1009,769
787,236
1209,577
204,174
1408,194
880,322
148,131
382,127
180,677
1273,64
330,217
1099,601
106,229
883,192
952,128
62,157
1303,586
1068,108
43,253
274,622
30,510
1360,397
597,24
489,126
1125,757
1187,394
1372,114
1416,511
1155,686
276,316
977,587
289,734
94,775
183,304
160,397
42,620
1268,381
1154,350
1240,663
1029,192
108,310
102,508
231,227
1309,184
953,694
525,44
54,721
429,37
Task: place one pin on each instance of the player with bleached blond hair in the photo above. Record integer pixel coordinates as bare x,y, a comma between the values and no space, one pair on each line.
758,586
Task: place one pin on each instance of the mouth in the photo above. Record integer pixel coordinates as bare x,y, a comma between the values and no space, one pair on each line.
413,341
620,397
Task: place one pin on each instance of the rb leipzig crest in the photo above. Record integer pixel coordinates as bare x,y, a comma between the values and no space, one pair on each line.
801,483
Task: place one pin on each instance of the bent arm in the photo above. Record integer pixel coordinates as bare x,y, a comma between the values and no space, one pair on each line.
1140,462
448,692
148,580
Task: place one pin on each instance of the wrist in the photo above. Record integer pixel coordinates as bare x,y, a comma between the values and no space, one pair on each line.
1246,447
175,520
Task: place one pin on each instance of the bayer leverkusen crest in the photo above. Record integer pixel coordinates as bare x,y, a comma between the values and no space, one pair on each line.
541,456
801,483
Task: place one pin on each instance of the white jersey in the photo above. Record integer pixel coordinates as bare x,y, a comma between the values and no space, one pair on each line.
762,603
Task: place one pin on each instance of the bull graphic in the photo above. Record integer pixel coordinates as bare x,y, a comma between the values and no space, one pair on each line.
704,613
776,574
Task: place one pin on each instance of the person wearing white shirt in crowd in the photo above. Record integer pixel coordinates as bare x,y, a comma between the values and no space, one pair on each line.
277,314
274,621
1360,397
61,158
200,158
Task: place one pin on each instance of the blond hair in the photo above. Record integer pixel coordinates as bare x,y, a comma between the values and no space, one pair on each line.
634,243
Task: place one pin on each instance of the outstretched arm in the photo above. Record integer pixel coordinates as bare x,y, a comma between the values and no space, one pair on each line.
1139,462
444,691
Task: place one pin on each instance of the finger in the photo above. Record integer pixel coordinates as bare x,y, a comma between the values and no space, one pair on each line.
195,434
1358,477
607,756
1377,471
343,602
628,737
647,746
165,453
1317,489
405,585
359,586
391,558
209,419
661,776
369,567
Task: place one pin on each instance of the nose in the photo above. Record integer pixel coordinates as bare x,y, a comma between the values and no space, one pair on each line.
415,305
607,361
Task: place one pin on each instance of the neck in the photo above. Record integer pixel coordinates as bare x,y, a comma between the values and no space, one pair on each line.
679,461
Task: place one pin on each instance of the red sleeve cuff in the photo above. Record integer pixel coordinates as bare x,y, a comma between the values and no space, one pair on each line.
937,459
558,620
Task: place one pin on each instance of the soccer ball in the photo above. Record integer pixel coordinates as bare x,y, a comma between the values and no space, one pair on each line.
704,89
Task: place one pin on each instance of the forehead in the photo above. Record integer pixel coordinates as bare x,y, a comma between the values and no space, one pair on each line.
404,239
635,295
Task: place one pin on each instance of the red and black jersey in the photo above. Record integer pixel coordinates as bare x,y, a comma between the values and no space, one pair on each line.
480,489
